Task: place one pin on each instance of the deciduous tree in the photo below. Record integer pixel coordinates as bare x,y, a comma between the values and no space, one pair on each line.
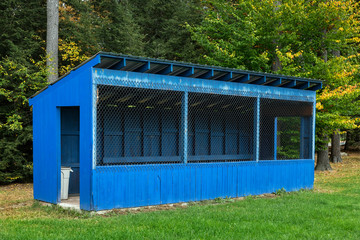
305,36
17,84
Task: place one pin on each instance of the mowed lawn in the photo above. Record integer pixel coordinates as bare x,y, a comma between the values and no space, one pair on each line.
330,211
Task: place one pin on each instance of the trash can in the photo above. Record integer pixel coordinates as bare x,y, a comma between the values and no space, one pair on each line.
65,176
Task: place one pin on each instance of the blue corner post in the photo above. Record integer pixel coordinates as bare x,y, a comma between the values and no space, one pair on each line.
184,127
256,129
313,130
275,137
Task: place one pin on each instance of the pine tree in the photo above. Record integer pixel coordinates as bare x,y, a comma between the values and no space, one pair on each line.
163,24
23,25
118,32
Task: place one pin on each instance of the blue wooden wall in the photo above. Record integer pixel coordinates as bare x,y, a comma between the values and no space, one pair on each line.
142,185
74,89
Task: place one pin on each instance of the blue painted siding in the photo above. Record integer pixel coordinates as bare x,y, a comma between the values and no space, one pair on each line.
73,90
46,182
133,186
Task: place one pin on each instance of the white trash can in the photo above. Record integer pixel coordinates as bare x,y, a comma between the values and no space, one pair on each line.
65,176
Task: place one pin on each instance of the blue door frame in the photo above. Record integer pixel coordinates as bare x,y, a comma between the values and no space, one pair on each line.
70,142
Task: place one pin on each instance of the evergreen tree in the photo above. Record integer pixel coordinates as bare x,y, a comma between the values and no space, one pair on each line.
97,25
23,25
77,24
163,24
118,32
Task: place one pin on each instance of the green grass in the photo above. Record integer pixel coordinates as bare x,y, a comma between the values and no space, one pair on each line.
330,211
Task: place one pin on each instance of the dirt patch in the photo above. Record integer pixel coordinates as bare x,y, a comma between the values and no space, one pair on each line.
16,195
174,206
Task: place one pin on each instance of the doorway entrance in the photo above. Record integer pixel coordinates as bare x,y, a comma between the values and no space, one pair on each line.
70,133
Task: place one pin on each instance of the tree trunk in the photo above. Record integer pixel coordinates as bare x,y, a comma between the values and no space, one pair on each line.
323,162
276,66
52,34
324,51
336,53
335,156
348,140
325,55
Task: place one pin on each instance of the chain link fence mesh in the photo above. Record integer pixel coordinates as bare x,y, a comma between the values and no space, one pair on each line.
221,128
144,126
137,126
285,129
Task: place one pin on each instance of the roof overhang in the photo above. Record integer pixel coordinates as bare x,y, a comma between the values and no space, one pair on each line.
173,68
130,63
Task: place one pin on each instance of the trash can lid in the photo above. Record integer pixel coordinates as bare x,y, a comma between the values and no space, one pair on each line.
65,168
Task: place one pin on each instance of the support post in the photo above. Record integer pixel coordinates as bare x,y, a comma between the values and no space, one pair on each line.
94,124
58,153
275,137
312,148
275,83
184,127
256,129
244,78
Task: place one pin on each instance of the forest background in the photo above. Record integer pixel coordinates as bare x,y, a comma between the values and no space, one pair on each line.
313,39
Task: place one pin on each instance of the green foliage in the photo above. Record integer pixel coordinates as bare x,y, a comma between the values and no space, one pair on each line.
153,28
22,23
229,36
289,136
280,192
78,23
17,84
253,34
317,39
337,109
106,25
162,22
119,31
299,38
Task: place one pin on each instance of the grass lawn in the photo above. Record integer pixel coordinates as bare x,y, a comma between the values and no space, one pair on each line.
330,211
